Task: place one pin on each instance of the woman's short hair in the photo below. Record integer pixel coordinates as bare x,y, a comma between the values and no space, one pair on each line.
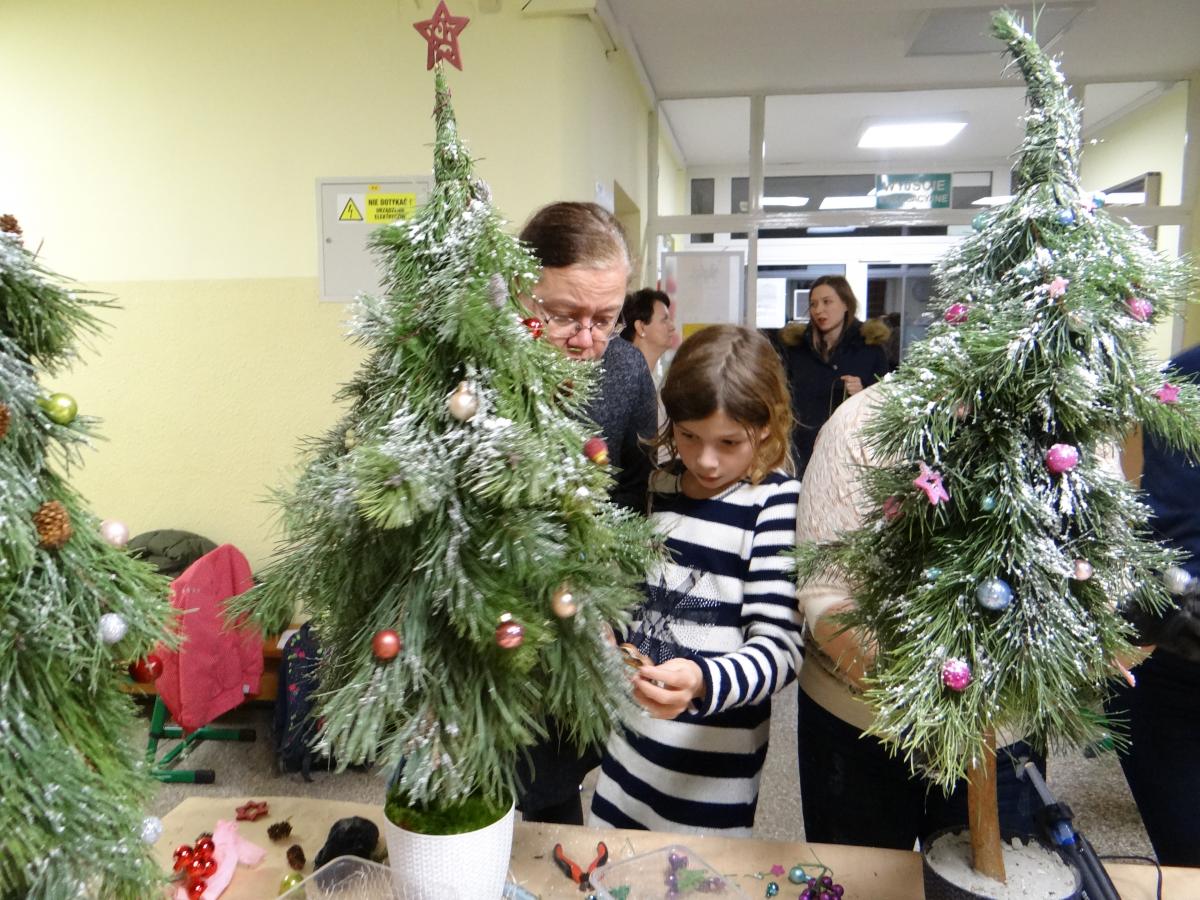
575,234
639,307
735,370
842,288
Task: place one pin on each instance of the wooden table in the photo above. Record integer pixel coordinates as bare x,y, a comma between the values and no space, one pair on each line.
867,874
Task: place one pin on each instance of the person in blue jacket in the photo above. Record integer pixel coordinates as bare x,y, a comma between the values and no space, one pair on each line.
1161,712
827,360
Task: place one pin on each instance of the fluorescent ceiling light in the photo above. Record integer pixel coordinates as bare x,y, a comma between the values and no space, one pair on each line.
1125,198
910,134
831,229
992,201
858,201
785,201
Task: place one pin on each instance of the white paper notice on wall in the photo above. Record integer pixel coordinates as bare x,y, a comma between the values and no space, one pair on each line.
705,287
772,303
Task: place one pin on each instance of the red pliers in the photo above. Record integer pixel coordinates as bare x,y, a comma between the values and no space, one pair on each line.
572,870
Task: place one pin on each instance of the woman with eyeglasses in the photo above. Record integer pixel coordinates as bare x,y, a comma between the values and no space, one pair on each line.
578,299
827,360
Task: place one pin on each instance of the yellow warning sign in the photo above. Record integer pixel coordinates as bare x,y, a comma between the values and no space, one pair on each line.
390,207
350,212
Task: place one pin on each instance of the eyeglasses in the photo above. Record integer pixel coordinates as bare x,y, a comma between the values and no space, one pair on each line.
567,327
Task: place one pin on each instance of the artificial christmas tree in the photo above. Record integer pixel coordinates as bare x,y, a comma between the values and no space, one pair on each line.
74,608
1000,549
452,536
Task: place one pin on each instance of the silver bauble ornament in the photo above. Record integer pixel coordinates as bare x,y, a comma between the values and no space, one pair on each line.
1176,579
994,594
112,628
152,828
1083,570
114,533
463,404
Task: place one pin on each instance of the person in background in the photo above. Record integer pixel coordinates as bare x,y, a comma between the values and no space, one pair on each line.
648,324
1162,710
718,632
826,361
585,270
853,790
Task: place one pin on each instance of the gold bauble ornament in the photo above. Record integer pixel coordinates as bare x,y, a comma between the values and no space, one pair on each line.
463,403
563,603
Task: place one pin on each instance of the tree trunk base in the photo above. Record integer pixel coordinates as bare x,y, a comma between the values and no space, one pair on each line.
947,868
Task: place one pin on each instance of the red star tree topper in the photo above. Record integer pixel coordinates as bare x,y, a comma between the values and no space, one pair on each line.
442,32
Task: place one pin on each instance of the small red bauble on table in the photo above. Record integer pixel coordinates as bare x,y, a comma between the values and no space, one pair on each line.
596,450
386,644
146,670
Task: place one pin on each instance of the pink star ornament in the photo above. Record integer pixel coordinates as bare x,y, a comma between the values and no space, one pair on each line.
1168,393
931,483
1058,287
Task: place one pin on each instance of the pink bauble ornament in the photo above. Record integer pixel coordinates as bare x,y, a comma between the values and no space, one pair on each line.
956,313
1061,458
1140,308
956,674
1083,570
892,509
510,634
114,532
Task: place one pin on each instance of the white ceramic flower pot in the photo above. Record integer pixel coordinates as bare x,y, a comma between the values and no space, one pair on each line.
470,866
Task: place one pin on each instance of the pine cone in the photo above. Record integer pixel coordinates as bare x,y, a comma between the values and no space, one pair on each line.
279,830
5,418
9,223
53,524
295,857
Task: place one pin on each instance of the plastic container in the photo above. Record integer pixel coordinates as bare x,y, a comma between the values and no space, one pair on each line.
352,878
647,877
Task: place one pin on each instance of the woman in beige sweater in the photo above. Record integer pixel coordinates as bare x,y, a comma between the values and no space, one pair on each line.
852,789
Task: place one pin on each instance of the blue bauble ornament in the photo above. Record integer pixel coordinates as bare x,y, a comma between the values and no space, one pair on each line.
978,222
797,875
1099,199
994,594
1066,216
772,889
988,504
932,574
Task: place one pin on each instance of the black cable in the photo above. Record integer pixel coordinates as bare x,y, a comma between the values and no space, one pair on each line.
1147,859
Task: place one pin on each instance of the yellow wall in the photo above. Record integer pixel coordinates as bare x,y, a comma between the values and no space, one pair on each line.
1150,139
167,153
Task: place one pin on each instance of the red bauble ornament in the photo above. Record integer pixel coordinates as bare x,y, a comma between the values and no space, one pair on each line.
197,888
596,450
510,633
386,644
205,847
183,856
208,867
195,868
534,325
146,670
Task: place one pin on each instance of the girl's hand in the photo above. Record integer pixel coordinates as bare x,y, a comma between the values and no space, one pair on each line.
681,680
853,384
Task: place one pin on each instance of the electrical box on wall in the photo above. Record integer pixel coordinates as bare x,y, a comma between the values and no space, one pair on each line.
348,210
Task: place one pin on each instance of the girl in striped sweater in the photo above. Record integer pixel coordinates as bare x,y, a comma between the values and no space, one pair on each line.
718,632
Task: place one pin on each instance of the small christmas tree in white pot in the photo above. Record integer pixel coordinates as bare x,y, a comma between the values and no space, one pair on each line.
452,536
1000,546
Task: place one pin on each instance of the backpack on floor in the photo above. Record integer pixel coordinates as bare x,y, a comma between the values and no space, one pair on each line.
295,726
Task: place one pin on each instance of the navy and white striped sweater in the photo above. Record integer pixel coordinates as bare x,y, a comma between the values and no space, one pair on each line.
725,601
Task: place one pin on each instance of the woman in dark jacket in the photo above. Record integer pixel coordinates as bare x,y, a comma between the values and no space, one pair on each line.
827,360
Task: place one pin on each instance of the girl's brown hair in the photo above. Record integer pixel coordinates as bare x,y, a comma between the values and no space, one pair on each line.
733,370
